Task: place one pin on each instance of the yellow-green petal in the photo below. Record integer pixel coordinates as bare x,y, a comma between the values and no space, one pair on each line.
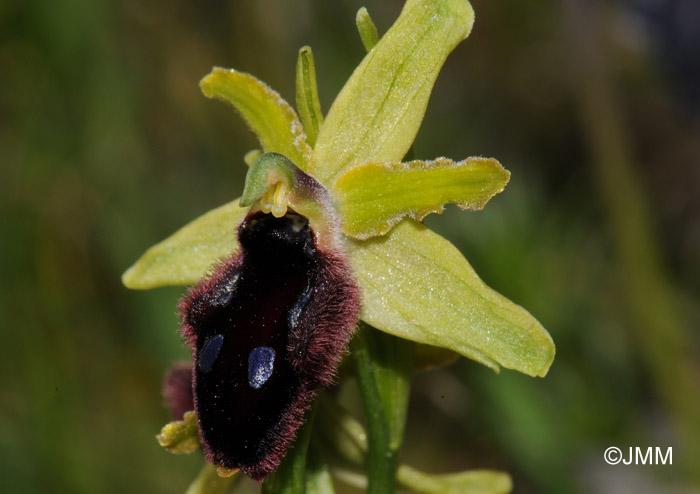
373,197
377,114
271,118
366,29
184,257
417,285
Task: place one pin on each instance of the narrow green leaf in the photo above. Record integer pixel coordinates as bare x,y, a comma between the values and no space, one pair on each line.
341,431
366,29
290,476
377,114
185,256
417,285
351,476
271,118
308,105
346,435
209,482
412,480
468,482
180,436
373,197
318,475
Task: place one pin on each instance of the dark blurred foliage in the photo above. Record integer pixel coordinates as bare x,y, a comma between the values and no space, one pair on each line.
107,146
672,32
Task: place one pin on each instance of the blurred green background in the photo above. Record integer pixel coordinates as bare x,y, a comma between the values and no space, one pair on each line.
107,146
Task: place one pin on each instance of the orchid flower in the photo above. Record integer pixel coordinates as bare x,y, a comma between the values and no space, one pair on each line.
328,232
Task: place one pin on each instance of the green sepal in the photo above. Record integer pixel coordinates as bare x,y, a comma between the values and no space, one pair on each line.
308,105
270,117
185,256
417,285
378,112
373,197
180,436
366,29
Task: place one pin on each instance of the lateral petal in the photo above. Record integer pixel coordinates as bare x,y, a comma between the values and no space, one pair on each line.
269,116
373,197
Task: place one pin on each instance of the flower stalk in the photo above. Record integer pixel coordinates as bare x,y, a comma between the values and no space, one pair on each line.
383,366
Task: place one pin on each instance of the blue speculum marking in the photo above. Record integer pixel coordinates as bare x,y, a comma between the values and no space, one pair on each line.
299,306
209,352
225,294
260,364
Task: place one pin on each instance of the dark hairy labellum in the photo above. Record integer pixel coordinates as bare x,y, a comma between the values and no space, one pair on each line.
267,329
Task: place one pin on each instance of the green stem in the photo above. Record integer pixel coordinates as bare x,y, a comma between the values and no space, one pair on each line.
383,366
381,463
